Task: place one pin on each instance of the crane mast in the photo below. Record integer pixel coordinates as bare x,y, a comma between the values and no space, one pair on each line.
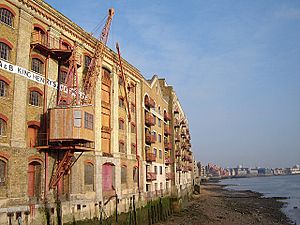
71,138
125,83
89,82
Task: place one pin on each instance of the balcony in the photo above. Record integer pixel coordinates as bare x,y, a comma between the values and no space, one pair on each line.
167,116
150,139
177,153
169,176
149,102
149,120
151,176
168,145
176,123
168,160
54,45
178,168
46,40
150,157
167,130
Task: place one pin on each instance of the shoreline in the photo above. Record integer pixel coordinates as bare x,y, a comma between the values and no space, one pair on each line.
216,205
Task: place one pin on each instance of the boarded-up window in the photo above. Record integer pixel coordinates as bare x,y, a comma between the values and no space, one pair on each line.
32,136
88,174
135,174
88,121
77,118
108,177
123,174
34,179
2,172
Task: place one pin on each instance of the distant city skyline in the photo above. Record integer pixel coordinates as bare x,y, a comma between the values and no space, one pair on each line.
234,65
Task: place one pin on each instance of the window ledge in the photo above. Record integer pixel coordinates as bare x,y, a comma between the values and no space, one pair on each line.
7,25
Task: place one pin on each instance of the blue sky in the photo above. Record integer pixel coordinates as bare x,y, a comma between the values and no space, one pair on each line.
235,66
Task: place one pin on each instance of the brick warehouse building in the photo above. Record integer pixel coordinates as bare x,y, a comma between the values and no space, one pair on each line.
147,155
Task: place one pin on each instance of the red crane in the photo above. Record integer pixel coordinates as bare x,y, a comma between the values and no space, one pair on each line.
72,97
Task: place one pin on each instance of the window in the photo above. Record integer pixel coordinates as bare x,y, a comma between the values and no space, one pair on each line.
123,174
121,81
155,169
121,124
2,172
133,128
121,103
132,108
63,77
160,172
154,119
155,152
6,17
159,123
77,118
154,134
4,51
159,109
3,88
88,121
159,138
35,98
37,66
121,146
2,127
133,149
34,179
135,174
160,154
32,135
87,61
88,174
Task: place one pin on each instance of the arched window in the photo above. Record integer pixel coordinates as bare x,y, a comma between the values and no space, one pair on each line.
35,98
39,35
121,124
124,174
32,135
133,148
87,61
37,66
121,81
6,17
34,179
63,76
3,88
135,174
3,171
89,175
133,128
108,177
3,125
4,51
122,147
121,102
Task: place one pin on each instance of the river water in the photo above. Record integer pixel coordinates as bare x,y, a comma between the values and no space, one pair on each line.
273,186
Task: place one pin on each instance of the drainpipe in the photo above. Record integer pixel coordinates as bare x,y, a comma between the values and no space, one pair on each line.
136,140
45,128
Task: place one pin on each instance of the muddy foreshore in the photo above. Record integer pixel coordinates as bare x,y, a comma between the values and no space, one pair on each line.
218,206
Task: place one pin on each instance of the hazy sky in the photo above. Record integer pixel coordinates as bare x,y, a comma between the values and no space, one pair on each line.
235,66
